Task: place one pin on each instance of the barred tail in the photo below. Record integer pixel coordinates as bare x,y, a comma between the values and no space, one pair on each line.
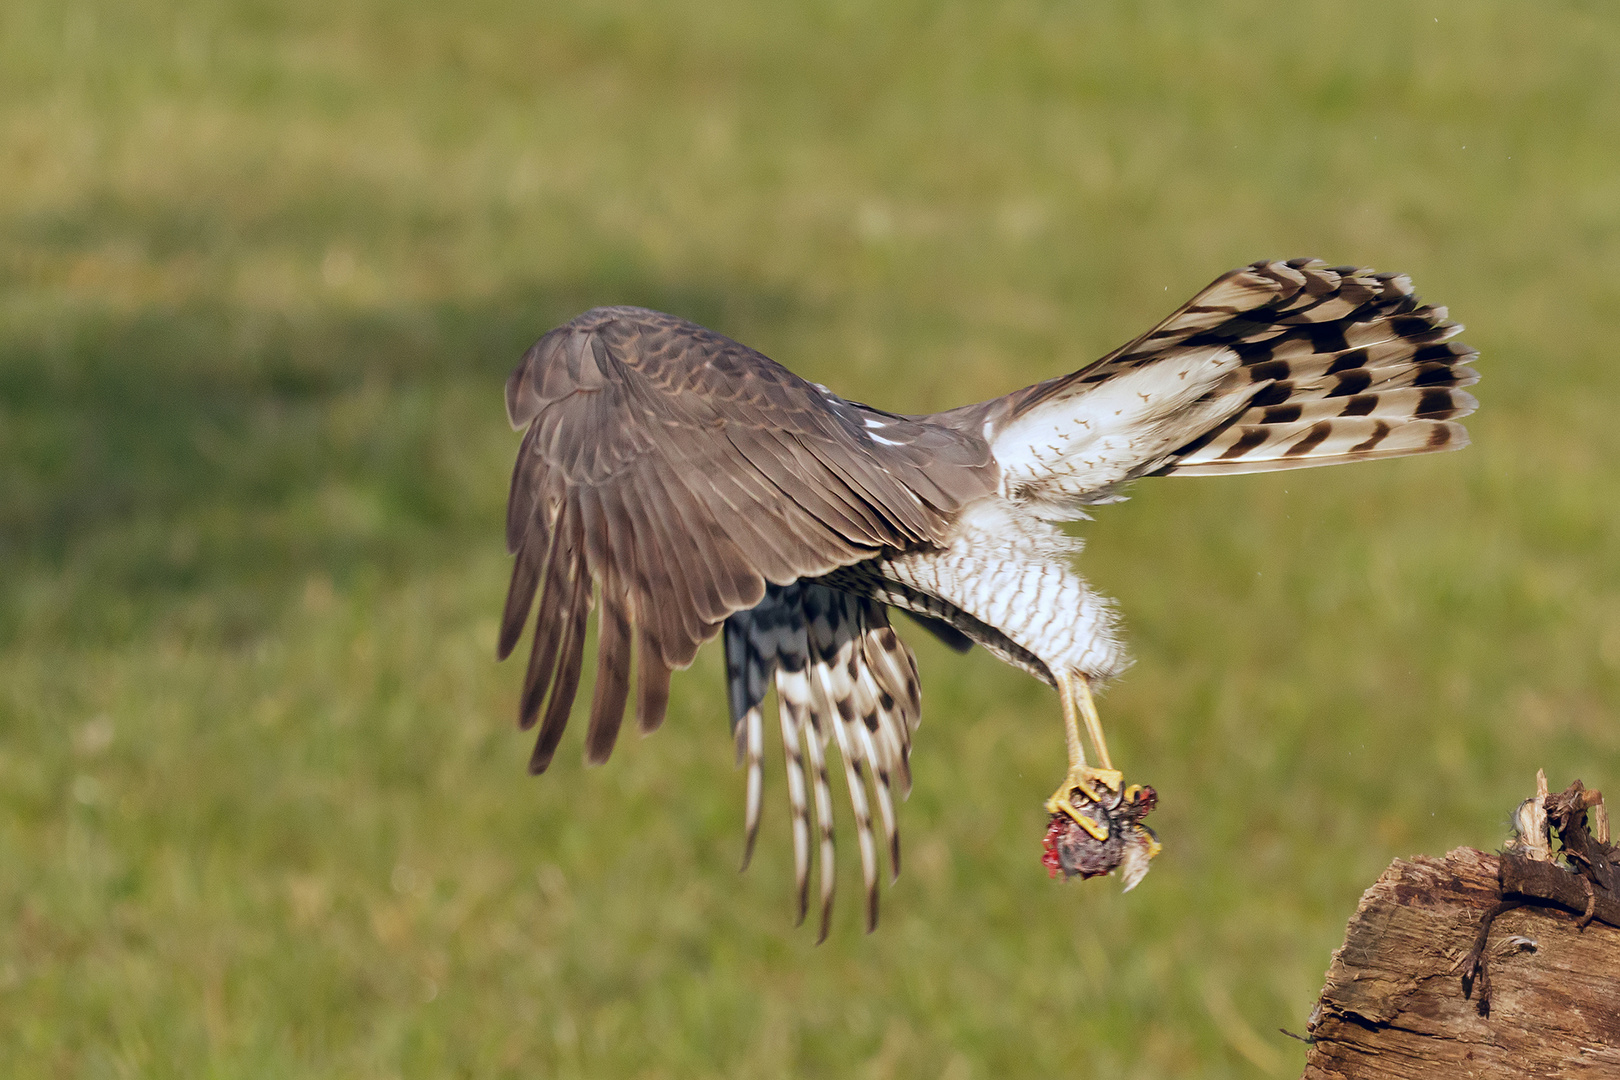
1351,367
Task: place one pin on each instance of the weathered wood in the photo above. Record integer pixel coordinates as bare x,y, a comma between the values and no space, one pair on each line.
1527,879
1394,1005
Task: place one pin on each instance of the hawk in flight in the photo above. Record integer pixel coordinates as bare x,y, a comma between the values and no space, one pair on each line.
683,484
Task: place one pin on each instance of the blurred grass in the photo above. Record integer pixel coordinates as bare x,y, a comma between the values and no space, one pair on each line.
262,270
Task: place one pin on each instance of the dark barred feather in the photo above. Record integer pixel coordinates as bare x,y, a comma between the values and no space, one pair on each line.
1382,379
841,675
1279,365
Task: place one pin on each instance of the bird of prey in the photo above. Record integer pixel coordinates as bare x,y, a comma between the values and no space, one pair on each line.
682,484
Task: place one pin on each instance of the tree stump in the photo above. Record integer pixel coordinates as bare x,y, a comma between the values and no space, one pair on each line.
1405,996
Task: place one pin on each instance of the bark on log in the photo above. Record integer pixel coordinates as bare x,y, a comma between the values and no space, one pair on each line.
1394,1005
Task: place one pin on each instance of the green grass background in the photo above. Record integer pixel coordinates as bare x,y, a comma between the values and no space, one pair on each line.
263,268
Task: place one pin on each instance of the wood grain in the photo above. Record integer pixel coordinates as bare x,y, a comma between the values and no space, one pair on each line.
1394,1004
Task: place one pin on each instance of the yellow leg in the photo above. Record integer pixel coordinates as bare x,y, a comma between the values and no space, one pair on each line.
1095,801
1094,784
1088,709
1071,729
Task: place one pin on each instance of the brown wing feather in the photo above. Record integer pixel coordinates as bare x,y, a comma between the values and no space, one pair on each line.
519,600
570,658
667,474
652,685
612,673
543,650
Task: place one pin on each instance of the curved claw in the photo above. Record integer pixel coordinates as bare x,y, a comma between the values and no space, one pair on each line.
1097,787
1088,837
1063,803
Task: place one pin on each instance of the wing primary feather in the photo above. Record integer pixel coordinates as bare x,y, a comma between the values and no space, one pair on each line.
548,626
571,654
629,556
789,705
902,668
829,706
519,600
855,776
652,683
885,801
722,584
899,694
613,629
667,542
612,673
702,533
754,731
667,478
678,626
826,865
522,500
834,632
882,749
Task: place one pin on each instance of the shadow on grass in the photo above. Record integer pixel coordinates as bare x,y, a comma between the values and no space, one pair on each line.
212,458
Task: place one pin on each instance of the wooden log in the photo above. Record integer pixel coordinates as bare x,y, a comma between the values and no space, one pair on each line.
1533,880
1403,998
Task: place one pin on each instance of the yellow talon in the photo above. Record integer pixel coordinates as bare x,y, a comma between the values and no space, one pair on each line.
1096,785
1110,779
1096,800
1056,805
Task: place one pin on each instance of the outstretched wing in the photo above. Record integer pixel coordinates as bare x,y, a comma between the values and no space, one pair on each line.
669,473
1274,366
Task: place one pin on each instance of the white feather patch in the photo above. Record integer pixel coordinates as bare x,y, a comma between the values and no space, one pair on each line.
1095,434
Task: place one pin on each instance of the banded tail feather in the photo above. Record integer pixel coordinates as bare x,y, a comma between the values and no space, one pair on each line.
1351,367
1278,365
842,676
